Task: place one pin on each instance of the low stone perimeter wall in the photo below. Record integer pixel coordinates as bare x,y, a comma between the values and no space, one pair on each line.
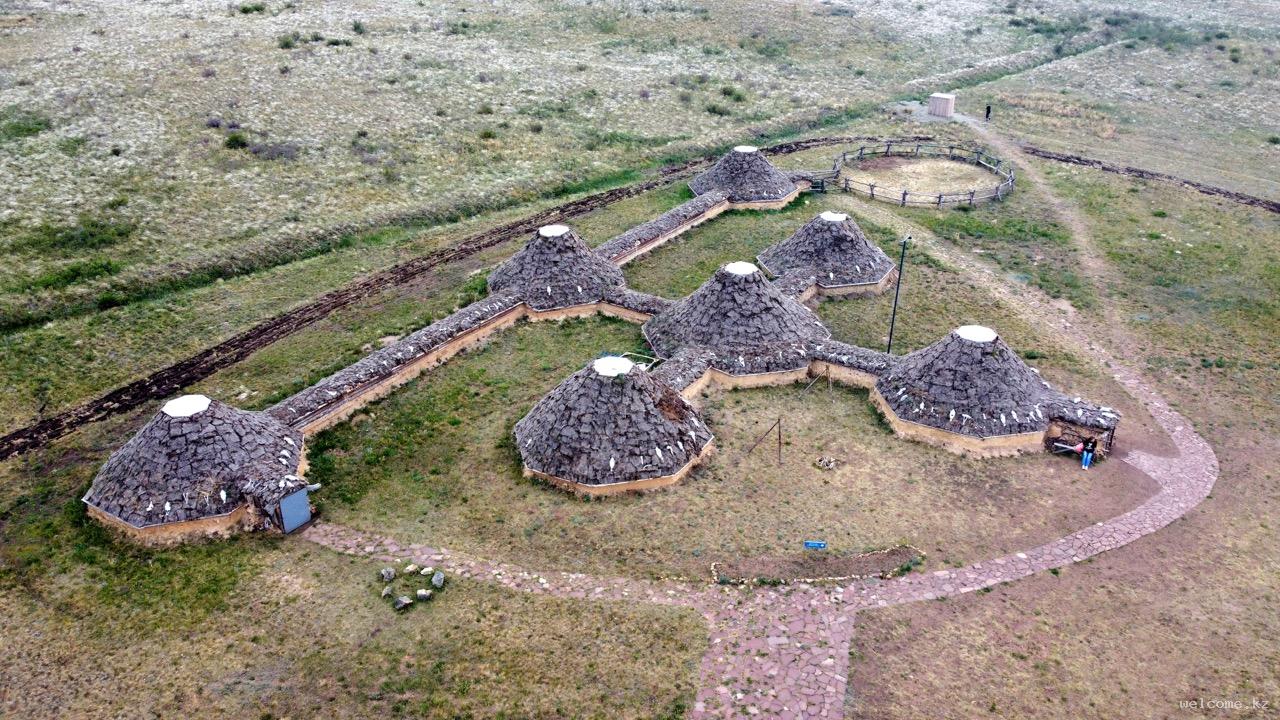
620,488
179,532
670,224
340,395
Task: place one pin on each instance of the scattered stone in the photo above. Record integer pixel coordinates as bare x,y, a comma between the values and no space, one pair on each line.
437,580
424,594
827,463
427,570
388,574
410,569
386,591
402,602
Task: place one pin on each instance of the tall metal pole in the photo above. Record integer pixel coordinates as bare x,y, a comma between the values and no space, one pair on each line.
893,319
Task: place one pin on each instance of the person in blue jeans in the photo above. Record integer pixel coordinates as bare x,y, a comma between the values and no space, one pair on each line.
1087,449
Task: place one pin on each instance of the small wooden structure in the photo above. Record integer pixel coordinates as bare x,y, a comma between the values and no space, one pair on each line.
942,104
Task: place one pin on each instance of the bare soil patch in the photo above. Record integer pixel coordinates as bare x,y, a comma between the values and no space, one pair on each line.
920,175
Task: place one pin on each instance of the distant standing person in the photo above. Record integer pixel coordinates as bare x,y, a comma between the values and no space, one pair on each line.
1089,446
988,113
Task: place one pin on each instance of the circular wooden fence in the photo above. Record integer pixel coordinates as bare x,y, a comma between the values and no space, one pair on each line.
1002,172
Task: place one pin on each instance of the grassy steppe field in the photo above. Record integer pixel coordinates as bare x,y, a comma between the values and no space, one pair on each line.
168,169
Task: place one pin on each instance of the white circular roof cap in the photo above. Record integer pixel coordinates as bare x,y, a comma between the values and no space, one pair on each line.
833,216
976,333
746,148
186,406
550,231
741,267
612,365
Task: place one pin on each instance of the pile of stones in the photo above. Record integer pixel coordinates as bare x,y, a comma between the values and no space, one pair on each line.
411,575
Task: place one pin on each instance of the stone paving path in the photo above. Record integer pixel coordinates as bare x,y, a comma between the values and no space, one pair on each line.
784,652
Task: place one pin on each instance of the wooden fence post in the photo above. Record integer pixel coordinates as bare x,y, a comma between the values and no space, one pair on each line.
873,190
971,192
939,201
904,198
860,152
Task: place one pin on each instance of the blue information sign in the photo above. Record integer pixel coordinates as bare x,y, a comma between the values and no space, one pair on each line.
815,544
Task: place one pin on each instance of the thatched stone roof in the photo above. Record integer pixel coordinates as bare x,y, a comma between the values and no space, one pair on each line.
972,383
198,458
743,319
610,422
831,248
746,175
556,269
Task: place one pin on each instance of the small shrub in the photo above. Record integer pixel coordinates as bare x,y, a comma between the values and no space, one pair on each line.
488,134
717,109
485,109
287,42
338,42
358,28
733,93
1159,213
535,127
1274,139
251,8
236,141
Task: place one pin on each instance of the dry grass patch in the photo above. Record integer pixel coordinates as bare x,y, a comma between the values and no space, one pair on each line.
308,634
929,176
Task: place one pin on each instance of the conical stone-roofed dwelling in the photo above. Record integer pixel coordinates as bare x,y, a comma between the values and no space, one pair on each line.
749,179
611,427
833,251
200,468
555,270
971,392
748,324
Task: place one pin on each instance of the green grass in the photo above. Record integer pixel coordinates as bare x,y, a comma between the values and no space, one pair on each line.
72,273
17,123
45,533
87,233
1024,243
